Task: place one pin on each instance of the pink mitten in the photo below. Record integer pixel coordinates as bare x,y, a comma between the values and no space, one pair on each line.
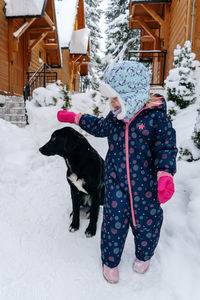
165,188
68,116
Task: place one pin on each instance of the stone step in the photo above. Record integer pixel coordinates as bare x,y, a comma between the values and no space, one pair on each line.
14,118
19,123
12,109
15,98
14,104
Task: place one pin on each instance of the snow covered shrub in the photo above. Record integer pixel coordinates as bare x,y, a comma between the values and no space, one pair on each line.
189,154
196,135
47,96
180,84
197,76
100,105
66,98
172,109
96,111
172,113
185,154
54,94
190,148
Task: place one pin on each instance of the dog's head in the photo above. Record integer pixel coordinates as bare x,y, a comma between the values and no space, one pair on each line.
62,142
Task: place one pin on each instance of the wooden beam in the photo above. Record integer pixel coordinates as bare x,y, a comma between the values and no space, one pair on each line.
144,18
36,42
17,34
75,61
147,29
41,29
131,8
76,57
154,15
49,21
51,46
34,35
81,58
146,38
71,85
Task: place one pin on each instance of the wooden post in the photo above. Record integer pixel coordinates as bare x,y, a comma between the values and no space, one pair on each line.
75,63
10,56
166,27
81,15
26,61
196,31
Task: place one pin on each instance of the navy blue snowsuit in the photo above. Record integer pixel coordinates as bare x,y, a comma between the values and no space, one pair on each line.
137,151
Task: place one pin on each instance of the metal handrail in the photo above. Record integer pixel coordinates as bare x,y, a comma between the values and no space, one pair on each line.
44,72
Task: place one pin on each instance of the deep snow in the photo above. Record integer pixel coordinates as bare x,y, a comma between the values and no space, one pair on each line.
41,260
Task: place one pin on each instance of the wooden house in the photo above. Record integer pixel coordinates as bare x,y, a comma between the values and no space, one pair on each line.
164,24
29,39
74,42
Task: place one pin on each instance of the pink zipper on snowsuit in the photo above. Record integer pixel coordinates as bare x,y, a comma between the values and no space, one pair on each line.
127,155
128,166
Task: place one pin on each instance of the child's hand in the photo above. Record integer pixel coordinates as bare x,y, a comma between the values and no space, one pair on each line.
165,188
68,116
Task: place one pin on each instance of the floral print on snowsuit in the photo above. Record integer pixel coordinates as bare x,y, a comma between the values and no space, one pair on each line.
151,144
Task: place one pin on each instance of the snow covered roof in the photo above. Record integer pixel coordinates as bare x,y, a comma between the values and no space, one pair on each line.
17,8
150,1
66,11
79,41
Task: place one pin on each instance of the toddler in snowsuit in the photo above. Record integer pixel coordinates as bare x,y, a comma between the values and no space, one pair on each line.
139,165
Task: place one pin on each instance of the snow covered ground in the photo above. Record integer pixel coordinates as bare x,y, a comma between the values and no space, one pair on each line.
41,260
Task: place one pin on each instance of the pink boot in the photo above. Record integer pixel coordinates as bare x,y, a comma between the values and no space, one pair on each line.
111,274
140,266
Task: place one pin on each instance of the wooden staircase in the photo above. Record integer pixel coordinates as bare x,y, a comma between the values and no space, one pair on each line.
12,109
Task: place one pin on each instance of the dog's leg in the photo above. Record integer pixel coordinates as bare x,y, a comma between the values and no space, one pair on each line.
94,211
75,215
102,195
87,214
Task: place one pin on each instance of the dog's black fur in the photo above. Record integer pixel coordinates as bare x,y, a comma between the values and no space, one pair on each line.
83,164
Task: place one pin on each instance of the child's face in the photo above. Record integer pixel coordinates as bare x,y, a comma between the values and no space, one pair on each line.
115,103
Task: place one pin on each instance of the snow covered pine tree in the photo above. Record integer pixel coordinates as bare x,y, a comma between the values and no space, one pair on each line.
120,39
92,16
180,83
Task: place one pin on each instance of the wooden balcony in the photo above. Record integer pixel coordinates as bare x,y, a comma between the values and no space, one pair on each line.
155,62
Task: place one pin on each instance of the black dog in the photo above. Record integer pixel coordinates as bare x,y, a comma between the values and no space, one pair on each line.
85,173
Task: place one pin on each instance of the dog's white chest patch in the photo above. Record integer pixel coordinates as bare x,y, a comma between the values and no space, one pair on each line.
87,200
77,182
